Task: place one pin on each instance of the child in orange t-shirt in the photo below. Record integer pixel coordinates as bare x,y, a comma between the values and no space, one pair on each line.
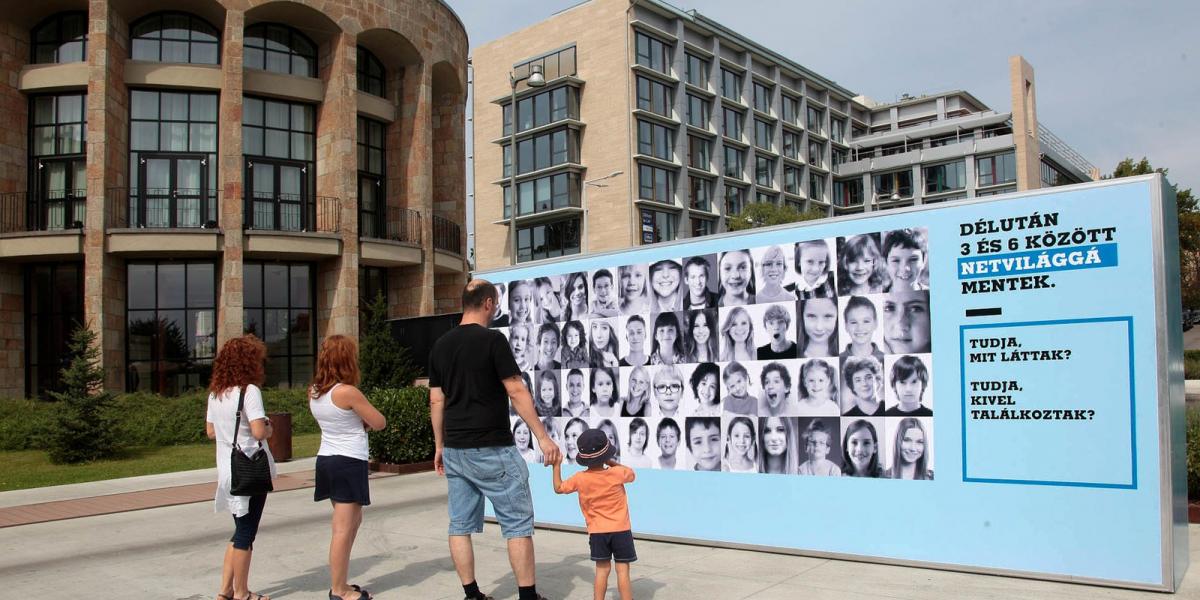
605,509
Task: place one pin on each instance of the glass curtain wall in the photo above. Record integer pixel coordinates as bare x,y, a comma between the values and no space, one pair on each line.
171,328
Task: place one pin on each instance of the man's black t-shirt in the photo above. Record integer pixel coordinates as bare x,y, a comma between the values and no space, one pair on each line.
470,363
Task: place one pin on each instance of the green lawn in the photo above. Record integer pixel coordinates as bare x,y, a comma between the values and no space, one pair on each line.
31,468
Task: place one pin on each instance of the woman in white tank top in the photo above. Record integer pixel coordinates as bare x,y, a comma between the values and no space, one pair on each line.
345,416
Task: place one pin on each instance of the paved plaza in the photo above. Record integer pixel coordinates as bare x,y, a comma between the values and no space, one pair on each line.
174,552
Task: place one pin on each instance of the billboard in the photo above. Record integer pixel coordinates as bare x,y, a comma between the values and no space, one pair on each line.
991,385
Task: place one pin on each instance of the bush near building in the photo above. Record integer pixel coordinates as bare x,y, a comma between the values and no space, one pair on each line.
408,437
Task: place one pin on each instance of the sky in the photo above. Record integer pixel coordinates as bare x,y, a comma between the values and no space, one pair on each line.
1115,78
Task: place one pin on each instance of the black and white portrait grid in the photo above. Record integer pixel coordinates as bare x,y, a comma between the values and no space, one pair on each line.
805,358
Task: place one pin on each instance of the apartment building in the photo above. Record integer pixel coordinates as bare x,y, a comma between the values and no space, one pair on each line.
647,123
176,173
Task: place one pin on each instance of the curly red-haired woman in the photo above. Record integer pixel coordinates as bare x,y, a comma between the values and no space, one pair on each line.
345,415
237,368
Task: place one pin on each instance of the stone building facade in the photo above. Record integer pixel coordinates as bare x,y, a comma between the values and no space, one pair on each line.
175,173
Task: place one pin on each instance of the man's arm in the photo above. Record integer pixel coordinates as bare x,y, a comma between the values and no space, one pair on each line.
437,406
522,402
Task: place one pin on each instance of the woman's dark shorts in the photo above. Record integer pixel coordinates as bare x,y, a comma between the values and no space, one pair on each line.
616,546
342,479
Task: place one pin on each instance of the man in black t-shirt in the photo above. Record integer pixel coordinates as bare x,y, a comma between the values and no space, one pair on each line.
472,377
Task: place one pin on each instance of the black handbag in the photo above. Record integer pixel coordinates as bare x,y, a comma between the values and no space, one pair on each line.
249,475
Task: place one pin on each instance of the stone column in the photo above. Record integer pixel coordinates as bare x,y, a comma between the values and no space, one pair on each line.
449,184
337,168
413,177
1025,125
107,168
231,282
14,115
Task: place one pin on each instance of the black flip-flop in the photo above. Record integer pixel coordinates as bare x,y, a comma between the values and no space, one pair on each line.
362,594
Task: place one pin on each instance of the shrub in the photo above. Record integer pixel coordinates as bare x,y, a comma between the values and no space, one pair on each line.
24,423
1193,453
83,426
408,437
1191,364
383,362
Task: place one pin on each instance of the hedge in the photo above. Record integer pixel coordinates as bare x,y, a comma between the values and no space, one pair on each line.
1193,453
142,419
1191,364
408,437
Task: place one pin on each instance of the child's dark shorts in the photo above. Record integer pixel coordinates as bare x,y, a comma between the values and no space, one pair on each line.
616,546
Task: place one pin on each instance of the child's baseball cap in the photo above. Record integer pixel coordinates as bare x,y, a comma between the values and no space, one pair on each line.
594,448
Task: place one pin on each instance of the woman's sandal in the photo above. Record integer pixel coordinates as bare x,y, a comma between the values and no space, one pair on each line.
253,596
362,594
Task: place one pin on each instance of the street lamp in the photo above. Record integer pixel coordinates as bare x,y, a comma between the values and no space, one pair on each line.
591,182
535,80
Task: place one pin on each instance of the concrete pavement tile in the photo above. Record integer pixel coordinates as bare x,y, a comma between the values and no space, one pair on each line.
756,566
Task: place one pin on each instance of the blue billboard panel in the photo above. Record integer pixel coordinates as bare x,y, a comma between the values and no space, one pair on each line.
978,385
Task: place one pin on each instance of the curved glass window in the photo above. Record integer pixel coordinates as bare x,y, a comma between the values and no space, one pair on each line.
175,37
370,73
279,49
60,39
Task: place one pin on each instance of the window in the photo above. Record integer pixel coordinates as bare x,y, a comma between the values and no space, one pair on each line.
816,154
791,145
994,170
700,193
764,133
816,187
764,171
171,335
762,97
791,179
792,203
697,112
175,37
60,39
898,183
816,119
560,238
838,156
944,178
1052,176
653,53
735,162
699,153
53,308
655,183
279,146
848,192
58,127
732,121
173,155
370,73
545,194
542,109
658,226
556,65
546,150
837,130
765,197
703,227
791,109
372,182
731,85
696,70
279,300
735,199
656,140
372,283
982,193
279,49
653,96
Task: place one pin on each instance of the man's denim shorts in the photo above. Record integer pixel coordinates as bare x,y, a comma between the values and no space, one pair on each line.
497,473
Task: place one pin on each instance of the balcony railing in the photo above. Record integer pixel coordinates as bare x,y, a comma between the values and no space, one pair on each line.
162,208
402,225
54,211
292,212
446,235
1076,159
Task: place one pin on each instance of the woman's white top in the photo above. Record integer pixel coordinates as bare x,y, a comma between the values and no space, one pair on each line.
222,413
342,432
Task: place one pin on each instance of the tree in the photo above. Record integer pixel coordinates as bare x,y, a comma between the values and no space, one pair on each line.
1189,227
763,214
383,362
84,424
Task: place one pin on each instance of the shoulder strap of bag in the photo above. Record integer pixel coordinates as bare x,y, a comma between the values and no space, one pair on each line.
237,425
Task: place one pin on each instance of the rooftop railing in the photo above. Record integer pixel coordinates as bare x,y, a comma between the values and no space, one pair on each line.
1076,159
